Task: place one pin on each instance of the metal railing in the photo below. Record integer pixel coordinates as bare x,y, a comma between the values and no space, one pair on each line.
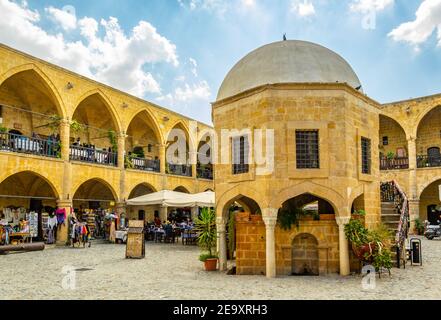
205,172
179,170
91,155
392,192
394,163
426,161
21,144
142,164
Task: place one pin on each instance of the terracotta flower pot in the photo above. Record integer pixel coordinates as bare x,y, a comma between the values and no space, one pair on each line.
210,264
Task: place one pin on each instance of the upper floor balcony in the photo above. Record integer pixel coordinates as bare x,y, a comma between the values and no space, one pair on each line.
39,146
204,171
179,170
429,161
90,154
394,163
142,164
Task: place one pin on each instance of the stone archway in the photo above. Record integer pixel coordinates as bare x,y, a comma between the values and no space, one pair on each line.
305,255
430,203
93,193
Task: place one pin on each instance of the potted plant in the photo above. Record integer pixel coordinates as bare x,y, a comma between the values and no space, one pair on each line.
370,246
419,226
205,226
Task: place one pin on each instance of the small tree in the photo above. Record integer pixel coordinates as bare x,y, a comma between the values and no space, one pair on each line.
205,226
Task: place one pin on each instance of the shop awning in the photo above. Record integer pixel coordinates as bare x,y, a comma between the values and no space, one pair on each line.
175,199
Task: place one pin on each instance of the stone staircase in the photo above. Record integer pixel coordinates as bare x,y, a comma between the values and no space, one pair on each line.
390,216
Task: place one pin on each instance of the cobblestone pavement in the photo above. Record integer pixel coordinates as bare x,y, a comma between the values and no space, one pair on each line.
174,272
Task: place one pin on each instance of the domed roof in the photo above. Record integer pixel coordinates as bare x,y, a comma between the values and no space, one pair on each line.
291,61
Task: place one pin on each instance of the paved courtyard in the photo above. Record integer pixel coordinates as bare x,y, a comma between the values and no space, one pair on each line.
174,272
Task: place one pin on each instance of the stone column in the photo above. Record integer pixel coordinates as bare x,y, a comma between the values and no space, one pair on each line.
221,226
62,231
121,149
345,266
414,213
269,216
65,139
193,162
120,208
411,142
162,157
163,214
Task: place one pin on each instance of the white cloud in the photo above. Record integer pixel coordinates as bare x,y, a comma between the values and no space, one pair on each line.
115,58
187,95
194,66
65,18
364,6
218,7
303,8
428,20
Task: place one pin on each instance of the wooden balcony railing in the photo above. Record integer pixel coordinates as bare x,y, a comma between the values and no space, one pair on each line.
21,144
394,163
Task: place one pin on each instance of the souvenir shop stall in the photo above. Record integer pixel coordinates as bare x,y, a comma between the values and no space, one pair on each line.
100,218
34,222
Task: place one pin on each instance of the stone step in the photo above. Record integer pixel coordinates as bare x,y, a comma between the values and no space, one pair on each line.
390,218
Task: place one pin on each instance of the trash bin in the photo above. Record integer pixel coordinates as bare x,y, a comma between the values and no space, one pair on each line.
135,247
416,257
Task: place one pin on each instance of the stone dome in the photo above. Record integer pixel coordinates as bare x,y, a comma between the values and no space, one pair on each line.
291,61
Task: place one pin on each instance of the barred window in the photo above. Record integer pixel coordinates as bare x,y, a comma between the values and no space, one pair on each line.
307,149
240,155
365,155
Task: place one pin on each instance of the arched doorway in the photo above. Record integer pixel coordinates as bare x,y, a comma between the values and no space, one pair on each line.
177,152
30,116
305,255
141,212
393,145
240,205
358,205
430,203
94,203
143,143
306,205
94,194
94,132
23,193
428,139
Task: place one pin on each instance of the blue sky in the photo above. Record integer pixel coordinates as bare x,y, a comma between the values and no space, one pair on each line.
182,49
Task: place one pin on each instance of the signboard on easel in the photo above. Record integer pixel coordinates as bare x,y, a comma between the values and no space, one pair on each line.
33,224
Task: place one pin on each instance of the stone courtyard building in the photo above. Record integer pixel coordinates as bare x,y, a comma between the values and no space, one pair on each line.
333,147
39,100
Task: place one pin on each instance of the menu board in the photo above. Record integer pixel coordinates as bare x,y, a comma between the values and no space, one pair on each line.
33,224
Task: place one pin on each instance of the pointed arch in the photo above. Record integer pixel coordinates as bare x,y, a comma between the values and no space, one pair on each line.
182,189
334,198
48,84
422,115
106,101
38,175
191,142
234,193
98,180
145,185
156,129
